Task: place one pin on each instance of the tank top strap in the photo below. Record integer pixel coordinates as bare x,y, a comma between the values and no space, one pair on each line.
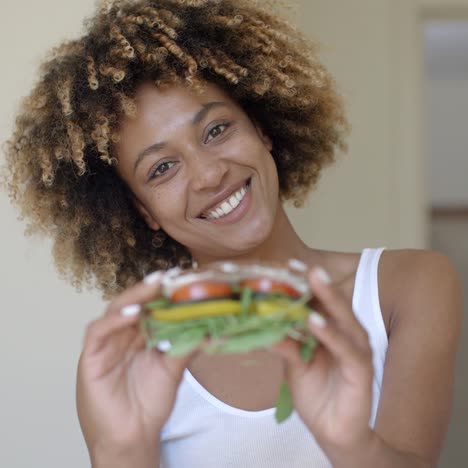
367,276
366,307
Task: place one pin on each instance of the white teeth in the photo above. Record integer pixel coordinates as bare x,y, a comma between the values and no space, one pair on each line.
228,205
234,201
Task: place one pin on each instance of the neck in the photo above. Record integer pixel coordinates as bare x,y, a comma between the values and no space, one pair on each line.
282,244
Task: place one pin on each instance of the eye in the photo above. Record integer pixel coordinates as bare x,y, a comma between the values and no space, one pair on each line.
161,169
216,131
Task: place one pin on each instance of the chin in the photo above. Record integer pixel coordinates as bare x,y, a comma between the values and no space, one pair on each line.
253,237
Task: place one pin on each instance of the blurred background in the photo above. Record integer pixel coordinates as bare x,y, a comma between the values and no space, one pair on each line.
445,115
402,67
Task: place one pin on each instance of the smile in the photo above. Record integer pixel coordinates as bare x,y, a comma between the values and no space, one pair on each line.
228,205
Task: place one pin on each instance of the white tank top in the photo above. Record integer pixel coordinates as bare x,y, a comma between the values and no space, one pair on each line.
204,432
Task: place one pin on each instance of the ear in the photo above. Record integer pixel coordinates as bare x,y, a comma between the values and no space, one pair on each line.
149,220
263,136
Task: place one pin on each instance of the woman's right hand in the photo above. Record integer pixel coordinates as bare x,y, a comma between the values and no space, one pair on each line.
125,393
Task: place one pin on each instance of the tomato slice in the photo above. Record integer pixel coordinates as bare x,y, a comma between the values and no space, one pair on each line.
201,290
268,285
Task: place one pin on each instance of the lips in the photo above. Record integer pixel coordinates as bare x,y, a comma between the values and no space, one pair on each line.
226,201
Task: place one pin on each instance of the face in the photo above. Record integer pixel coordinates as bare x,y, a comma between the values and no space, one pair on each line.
199,169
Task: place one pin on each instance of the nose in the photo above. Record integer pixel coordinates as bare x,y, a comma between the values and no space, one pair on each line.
206,171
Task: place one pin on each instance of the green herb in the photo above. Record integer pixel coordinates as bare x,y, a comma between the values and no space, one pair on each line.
186,342
284,404
246,300
250,323
158,304
215,326
246,342
307,349
272,296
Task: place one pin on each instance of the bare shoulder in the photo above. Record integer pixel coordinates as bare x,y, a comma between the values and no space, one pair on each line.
423,262
413,285
419,283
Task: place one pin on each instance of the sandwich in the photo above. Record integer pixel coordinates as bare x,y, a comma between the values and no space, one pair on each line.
232,307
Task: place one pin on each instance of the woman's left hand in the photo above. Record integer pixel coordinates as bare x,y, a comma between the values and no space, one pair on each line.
332,393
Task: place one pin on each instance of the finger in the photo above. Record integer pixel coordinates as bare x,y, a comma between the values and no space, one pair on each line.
346,352
142,292
289,349
137,344
124,311
175,365
134,347
112,356
99,331
336,306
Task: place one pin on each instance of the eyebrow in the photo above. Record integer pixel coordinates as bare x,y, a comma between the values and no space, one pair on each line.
197,118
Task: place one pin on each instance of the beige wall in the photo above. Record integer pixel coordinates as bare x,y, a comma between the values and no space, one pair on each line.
447,101
43,318
358,193
373,196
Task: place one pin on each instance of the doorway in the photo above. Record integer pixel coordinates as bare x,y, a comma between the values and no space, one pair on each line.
445,130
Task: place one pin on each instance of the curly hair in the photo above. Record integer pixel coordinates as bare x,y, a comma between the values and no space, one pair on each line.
60,159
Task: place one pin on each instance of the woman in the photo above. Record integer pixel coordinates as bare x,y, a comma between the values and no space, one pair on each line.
129,151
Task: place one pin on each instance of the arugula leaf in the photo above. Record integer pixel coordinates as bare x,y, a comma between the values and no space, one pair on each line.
186,342
161,303
307,349
273,295
284,404
249,341
246,300
251,322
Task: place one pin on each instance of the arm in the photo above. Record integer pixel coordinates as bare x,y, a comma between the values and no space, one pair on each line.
417,390
135,456
424,294
420,294
125,393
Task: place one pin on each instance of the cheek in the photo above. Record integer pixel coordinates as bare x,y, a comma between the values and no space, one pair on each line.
272,175
254,152
167,205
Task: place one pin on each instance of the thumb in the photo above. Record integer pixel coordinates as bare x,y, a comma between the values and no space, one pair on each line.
289,350
175,365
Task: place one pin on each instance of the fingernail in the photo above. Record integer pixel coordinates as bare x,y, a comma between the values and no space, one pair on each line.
322,275
297,265
173,272
164,346
152,277
317,319
130,310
